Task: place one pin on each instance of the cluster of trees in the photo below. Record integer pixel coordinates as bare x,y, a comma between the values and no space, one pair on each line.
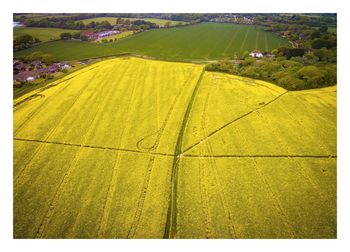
313,20
65,23
292,74
310,63
69,23
188,17
303,30
24,41
74,35
43,57
98,26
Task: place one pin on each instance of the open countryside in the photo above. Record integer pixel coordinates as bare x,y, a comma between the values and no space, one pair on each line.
223,127
190,42
169,132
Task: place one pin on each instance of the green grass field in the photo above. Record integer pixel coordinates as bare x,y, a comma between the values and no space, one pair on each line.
113,20
332,29
135,148
44,34
202,41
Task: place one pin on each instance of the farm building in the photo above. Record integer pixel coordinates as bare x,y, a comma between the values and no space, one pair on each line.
100,35
256,54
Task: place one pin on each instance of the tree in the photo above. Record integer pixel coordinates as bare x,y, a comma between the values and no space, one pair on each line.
245,54
316,34
34,56
274,52
247,62
84,37
251,71
167,24
119,21
76,35
291,52
24,39
268,69
291,82
324,54
66,35
48,58
319,43
312,75
323,28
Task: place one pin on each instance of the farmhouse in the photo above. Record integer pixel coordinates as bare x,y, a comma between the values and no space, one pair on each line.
36,64
26,76
256,54
18,66
100,35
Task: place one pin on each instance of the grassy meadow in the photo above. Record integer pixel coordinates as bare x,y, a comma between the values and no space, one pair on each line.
201,41
44,34
136,148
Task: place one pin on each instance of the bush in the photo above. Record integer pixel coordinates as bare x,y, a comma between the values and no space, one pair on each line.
18,84
251,71
319,43
291,82
291,52
248,61
65,35
48,58
221,66
271,68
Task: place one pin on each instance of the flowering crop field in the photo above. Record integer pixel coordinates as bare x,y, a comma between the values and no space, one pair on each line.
136,148
193,42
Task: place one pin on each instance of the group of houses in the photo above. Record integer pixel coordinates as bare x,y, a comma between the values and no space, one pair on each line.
233,18
99,35
34,70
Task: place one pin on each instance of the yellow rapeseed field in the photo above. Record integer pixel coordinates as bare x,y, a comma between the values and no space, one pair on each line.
136,148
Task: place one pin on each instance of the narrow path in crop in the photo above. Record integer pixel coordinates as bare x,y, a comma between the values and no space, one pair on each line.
141,201
266,43
231,40
213,172
257,41
92,146
170,228
231,122
173,155
244,40
258,156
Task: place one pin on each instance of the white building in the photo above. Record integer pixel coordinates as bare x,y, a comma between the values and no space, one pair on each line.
256,54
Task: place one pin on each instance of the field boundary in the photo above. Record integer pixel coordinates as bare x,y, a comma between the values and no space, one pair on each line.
231,122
